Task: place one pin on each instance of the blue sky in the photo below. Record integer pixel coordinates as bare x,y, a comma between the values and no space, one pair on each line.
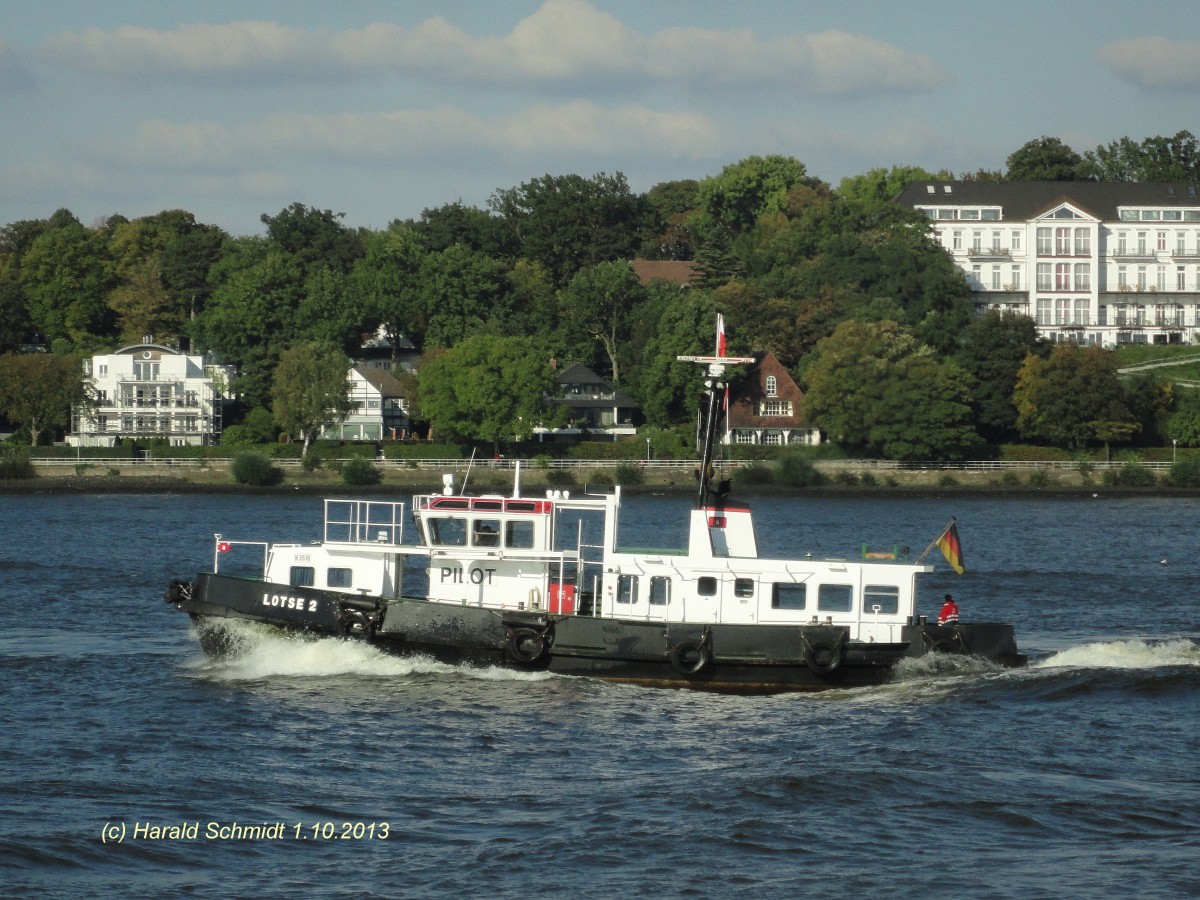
379,110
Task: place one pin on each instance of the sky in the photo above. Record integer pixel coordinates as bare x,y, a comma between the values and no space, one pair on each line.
379,110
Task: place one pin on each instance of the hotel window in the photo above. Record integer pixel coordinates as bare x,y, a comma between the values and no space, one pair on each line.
1062,241
995,278
1121,251
1162,240
957,238
1160,281
1181,278
1062,276
1141,281
977,276
976,241
1083,242
1180,243
1043,311
1044,243
1122,281
1141,236
1016,278
772,386
1045,274
1083,276
1016,241
996,241
1062,311
1081,311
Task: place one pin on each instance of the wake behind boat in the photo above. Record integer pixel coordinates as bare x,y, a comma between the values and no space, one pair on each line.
541,583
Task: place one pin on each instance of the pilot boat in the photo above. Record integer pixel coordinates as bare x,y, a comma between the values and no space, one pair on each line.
541,583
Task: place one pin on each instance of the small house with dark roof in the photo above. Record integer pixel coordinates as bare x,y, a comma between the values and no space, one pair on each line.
595,409
766,406
379,411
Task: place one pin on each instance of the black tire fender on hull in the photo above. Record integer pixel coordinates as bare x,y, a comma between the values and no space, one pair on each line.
526,645
691,656
824,653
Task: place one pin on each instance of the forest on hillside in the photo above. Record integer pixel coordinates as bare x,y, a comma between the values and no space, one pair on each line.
844,286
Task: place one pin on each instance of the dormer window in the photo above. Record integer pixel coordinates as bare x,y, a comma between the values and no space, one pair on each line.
772,386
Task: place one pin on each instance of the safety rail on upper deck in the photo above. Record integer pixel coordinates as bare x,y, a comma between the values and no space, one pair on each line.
364,522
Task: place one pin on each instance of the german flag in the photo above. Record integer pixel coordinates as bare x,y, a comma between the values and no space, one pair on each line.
951,548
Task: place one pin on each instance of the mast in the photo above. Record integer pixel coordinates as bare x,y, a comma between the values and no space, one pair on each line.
718,397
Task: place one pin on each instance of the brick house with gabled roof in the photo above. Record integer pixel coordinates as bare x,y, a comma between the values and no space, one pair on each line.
767,407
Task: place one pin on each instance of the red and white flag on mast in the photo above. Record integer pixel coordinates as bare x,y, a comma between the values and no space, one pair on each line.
720,335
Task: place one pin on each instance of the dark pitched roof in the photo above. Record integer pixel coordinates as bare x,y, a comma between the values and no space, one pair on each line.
1024,200
383,381
579,375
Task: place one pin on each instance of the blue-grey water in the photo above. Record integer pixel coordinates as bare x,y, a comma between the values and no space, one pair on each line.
367,775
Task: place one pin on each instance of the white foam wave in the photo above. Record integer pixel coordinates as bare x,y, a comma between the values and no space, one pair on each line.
1128,654
257,652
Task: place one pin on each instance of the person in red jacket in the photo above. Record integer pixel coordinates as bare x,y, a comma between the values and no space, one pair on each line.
949,613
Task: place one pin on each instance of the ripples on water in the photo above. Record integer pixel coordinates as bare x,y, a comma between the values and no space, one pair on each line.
1074,777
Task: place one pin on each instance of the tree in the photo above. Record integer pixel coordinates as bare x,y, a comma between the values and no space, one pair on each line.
666,388
568,222
1158,158
488,388
462,290
733,200
599,302
66,276
992,350
875,389
311,389
39,391
1044,159
387,283
315,237
882,185
1070,397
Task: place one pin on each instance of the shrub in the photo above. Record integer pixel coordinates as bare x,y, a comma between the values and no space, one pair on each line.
755,473
629,474
14,463
798,471
848,479
600,478
1185,473
360,471
561,477
1040,478
255,469
947,481
1130,475
868,480
1010,479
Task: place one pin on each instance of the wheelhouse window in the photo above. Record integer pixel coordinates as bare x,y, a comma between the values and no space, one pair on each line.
518,534
884,596
627,589
448,532
706,586
485,533
788,596
660,590
302,576
834,597
339,578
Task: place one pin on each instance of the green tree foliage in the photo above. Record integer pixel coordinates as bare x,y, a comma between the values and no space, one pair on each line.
600,303
683,326
567,222
311,389
1184,423
992,350
877,186
674,204
386,283
488,388
476,229
39,390
875,389
1159,158
255,469
733,201
1072,397
463,291
66,275
314,237
1044,159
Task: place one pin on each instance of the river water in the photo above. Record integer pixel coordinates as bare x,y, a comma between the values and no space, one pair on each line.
131,765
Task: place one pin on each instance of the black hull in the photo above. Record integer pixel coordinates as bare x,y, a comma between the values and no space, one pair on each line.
736,658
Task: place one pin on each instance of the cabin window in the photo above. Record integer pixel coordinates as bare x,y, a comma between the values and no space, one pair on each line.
660,590
448,532
743,587
834,597
302,576
486,533
706,586
885,596
627,589
788,596
339,578
518,534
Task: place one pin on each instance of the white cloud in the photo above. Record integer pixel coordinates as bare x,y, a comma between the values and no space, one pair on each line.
578,128
1154,62
564,43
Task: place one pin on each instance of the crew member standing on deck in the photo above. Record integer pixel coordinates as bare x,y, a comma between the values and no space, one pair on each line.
949,613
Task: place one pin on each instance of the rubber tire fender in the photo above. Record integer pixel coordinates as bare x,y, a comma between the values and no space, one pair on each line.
824,657
526,645
690,657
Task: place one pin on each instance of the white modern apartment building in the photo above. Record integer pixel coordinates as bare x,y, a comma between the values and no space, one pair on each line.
148,391
1094,262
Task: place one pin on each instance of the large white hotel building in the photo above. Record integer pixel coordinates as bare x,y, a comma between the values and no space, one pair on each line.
1095,262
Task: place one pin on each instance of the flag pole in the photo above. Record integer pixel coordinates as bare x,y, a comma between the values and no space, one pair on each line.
933,543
